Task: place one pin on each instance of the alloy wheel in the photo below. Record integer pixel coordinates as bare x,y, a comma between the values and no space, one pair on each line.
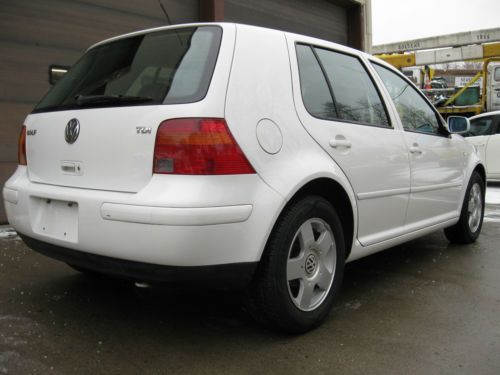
311,264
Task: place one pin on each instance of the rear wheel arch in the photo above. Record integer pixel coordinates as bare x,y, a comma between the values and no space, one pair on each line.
300,272
336,195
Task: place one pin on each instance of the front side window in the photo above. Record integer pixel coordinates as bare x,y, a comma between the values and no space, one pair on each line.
415,113
480,126
168,66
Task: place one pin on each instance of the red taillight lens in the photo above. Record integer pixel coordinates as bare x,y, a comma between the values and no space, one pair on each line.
21,149
198,146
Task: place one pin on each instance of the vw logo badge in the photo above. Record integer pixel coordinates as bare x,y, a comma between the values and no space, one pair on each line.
72,131
311,264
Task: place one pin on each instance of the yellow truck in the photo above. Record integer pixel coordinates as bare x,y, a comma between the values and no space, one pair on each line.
480,45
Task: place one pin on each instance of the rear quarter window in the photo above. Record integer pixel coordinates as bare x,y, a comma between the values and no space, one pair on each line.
316,94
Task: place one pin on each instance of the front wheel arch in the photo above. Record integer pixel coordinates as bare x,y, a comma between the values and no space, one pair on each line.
482,172
472,211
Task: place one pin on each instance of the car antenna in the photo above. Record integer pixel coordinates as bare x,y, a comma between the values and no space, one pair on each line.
169,20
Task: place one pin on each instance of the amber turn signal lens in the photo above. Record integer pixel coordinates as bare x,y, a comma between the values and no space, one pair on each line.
21,150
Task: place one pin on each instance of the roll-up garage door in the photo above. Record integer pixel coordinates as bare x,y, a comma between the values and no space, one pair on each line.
318,18
35,34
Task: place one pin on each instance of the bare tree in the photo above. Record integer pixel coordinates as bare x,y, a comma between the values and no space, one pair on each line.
446,66
472,65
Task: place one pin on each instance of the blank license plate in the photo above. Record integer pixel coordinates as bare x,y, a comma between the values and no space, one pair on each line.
55,218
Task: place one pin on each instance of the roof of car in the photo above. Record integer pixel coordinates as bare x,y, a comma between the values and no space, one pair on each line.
222,24
146,31
302,37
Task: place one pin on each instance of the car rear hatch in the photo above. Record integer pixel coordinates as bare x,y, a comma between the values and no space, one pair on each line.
96,127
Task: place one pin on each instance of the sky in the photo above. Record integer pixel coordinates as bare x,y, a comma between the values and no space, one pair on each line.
399,20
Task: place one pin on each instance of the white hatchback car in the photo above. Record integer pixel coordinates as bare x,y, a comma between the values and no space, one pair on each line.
484,133
240,156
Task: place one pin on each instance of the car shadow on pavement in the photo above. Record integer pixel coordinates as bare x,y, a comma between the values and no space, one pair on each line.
414,295
48,308
107,305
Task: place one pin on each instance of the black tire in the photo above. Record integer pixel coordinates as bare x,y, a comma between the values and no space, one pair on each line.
280,303
468,228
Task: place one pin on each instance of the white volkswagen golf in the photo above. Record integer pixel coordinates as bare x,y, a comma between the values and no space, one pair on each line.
484,133
238,156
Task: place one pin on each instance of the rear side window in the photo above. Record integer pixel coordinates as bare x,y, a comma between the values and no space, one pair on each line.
415,113
168,66
355,95
337,86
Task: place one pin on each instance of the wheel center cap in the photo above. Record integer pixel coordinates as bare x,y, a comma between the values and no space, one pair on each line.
311,263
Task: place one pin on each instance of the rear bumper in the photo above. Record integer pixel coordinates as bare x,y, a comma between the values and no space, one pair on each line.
227,276
179,221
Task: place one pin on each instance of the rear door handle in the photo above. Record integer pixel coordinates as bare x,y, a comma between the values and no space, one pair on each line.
340,143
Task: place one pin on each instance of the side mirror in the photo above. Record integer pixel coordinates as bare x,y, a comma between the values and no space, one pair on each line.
56,72
458,124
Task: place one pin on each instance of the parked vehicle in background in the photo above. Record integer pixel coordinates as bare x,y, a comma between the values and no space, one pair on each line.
493,80
439,83
479,45
484,133
241,156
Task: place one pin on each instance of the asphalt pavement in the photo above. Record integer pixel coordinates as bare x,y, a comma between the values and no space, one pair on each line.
426,307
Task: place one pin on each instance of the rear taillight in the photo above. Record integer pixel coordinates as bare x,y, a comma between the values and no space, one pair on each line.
198,146
21,149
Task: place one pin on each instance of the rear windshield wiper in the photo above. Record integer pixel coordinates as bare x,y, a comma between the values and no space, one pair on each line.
82,100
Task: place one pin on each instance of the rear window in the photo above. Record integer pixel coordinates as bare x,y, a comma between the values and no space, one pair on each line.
163,67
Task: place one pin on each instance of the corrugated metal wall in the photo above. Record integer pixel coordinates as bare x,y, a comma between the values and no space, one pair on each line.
318,18
35,34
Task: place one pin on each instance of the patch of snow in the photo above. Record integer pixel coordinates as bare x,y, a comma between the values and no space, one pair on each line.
493,195
7,233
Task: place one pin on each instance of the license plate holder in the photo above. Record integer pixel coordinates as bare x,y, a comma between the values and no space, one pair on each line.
55,218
